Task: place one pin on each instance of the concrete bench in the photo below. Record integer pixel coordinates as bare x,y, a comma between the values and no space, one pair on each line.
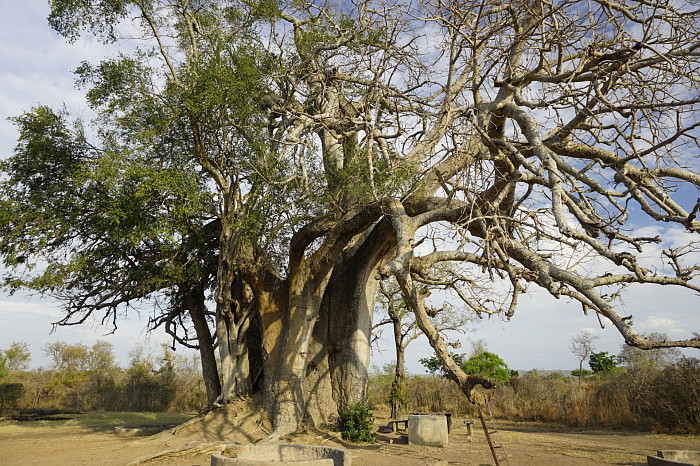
395,425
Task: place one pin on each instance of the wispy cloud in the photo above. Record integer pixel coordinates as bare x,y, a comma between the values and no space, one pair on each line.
13,309
662,324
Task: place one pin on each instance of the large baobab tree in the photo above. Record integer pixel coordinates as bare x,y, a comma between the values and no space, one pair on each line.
523,143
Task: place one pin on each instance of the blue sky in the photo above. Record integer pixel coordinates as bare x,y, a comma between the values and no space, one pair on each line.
37,68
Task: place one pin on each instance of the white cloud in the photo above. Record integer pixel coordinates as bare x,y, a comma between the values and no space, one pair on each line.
662,324
11,309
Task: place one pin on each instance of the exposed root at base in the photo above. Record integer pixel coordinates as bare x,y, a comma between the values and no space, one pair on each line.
191,448
278,433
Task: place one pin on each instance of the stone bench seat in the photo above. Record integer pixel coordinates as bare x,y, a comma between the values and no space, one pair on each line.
395,425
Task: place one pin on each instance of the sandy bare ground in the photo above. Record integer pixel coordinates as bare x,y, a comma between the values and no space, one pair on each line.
73,443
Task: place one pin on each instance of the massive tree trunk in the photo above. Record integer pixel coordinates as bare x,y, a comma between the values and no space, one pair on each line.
196,307
350,300
321,408
289,308
233,351
338,368
234,312
289,371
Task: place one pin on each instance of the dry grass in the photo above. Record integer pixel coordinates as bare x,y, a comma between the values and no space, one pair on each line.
666,400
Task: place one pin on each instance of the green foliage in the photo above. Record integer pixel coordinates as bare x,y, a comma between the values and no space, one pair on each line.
93,217
80,374
397,395
266,9
10,394
100,17
486,363
114,84
602,363
18,356
356,422
434,364
583,372
3,366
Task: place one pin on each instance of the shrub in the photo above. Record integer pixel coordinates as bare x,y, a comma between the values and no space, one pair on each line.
677,406
488,364
602,363
10,393
397,397
657,397
484,363
356,422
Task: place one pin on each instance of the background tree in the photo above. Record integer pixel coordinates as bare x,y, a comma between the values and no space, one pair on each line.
489,365
18,356
602,362
405,330
111,224
582,347
484,364
4,371
13,360
81,375
635,359
434,363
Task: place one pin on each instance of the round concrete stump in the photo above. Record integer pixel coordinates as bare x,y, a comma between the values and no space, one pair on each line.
279,453
674,458
427,430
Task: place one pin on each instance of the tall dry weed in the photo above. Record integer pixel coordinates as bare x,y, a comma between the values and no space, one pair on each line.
662,400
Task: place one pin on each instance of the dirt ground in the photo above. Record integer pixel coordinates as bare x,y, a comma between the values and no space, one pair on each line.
69,442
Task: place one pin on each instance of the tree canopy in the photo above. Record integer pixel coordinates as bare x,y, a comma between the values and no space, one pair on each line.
289,155
485,363
602,362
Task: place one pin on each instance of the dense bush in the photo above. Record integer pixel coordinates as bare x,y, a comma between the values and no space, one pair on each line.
484,363
602,363
85,378
662,398
676,391
356,423
429,393
10,393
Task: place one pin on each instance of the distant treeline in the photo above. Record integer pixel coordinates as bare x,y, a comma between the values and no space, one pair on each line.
652,391
86,378
649,393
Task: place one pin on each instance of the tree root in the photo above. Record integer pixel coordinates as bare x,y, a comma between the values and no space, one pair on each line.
191,448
